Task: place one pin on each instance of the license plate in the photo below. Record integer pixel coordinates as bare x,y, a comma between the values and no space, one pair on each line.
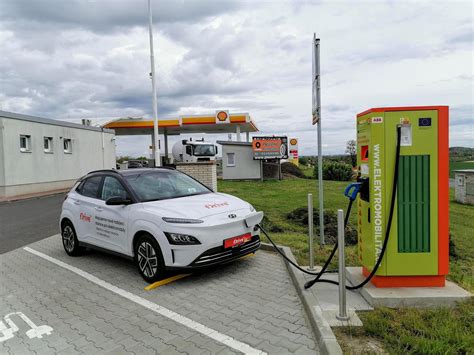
236,241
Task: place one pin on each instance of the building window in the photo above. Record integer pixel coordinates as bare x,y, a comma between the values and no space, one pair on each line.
25,143
470,189
48,144
230,159
67,143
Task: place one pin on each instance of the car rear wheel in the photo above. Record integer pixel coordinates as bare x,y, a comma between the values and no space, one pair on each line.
149,259
70,241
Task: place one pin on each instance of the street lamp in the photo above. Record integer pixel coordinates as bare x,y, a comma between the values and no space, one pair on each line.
156,139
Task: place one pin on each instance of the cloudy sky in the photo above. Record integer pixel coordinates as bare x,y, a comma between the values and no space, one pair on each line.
90,59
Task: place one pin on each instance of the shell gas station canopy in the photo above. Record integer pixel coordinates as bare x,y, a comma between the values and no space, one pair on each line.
220,122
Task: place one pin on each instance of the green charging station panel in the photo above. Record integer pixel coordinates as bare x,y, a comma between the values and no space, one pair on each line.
412,248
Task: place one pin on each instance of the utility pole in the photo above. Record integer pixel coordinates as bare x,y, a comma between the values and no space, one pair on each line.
317,120
156,139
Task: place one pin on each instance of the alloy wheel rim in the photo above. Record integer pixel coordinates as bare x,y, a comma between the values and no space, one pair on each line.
68,238
147,259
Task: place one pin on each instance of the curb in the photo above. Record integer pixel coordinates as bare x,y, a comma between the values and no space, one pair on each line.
327,340
32,196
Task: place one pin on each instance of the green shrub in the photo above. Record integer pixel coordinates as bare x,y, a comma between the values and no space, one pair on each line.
336,171
300,216
292,169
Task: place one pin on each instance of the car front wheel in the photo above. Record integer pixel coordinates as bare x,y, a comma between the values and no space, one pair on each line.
70,242
149,259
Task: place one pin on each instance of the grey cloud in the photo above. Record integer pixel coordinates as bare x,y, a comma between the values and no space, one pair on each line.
90,59
337,108
111,15
462,115
455,121
464,37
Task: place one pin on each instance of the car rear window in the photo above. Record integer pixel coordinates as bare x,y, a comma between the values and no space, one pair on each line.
90,187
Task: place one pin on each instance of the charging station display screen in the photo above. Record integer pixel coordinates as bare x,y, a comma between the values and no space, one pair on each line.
270,147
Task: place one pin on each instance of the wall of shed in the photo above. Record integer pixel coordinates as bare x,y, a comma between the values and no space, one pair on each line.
245,167
464,188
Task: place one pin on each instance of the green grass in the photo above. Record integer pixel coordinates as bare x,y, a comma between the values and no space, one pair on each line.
458,165
308,171
443,330
278,198
461,226
427,331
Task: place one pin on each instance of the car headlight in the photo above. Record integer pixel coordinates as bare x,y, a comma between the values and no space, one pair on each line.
182,220
181,239
252,209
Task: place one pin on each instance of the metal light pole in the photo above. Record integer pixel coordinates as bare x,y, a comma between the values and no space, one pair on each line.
156,139
317,120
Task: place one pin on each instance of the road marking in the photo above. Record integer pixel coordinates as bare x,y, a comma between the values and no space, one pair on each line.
165,312
8,331
165,281
246,256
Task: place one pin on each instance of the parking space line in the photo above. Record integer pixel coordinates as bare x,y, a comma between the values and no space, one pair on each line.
165,281
165,312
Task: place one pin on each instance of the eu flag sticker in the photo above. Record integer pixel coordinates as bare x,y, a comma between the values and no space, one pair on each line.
424,122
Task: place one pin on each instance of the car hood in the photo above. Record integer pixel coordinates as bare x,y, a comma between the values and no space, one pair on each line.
196,207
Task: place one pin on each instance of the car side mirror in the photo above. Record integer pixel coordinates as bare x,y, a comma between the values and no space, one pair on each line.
117,200
217,150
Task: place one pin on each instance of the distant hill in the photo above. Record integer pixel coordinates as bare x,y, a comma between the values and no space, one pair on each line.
461,153
455,154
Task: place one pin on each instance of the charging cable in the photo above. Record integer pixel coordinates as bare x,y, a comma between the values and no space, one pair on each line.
352,196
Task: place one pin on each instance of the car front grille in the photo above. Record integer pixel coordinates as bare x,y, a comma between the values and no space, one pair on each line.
220,255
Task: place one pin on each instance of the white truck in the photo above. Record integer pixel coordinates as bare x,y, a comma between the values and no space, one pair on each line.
189,151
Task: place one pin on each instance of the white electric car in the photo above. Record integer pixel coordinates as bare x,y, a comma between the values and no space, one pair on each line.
160,217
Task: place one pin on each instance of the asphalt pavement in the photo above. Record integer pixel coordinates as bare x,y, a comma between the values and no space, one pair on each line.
26,221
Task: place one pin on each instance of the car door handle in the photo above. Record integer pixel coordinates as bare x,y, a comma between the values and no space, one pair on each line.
98,209
77,202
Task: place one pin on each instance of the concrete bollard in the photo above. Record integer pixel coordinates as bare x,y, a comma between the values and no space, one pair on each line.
342,267
310,232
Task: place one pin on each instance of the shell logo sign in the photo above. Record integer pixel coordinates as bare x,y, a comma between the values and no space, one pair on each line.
222,117
293,151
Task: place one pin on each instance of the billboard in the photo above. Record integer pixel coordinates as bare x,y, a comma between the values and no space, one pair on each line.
270,147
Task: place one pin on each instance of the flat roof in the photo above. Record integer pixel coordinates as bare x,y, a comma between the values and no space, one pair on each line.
18,116
234,143
183,125
402,108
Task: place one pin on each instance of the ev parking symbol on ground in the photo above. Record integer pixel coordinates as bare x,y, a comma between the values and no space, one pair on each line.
8,330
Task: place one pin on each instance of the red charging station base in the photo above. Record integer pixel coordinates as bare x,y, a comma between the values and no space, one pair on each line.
406,281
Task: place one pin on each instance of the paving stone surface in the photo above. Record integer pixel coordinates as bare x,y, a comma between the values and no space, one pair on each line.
252,300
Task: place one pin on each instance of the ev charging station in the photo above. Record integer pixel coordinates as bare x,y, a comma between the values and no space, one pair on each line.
417,250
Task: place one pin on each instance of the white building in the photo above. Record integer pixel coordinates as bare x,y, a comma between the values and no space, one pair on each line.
464,186
39,155
238,162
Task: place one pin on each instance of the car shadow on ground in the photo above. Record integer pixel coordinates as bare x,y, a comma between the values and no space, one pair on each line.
124,265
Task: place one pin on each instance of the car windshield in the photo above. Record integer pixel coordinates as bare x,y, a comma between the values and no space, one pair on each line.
205,150
161,185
